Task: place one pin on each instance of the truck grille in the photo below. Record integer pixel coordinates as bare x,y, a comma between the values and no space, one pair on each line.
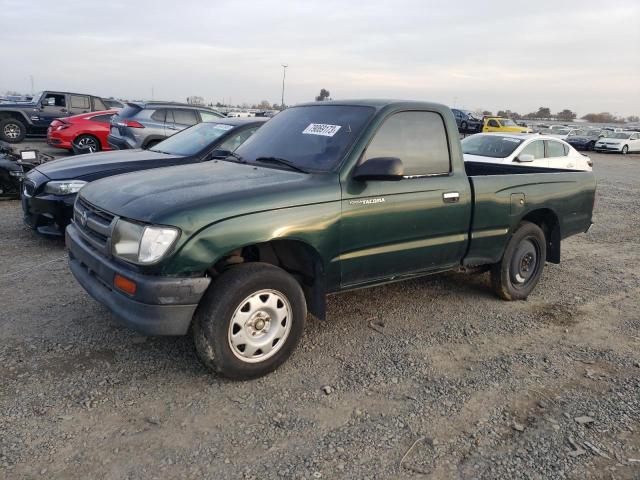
94,224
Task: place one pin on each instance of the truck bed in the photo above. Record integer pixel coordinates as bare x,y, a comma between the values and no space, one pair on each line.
504,193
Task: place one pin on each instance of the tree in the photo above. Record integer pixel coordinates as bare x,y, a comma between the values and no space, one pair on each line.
603,117
509,114
633,119
486,112
324,94
566,115
264,105
543,112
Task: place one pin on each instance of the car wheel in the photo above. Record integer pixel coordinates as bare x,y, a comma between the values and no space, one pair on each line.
464,126
12,130
516,275
249,321
151,144
86,144
625,150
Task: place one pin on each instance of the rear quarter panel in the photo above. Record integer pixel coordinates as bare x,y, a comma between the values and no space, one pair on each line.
502,201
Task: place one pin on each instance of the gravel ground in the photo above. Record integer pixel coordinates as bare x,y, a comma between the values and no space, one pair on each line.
431,378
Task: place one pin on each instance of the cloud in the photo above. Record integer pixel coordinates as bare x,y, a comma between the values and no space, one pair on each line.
492,54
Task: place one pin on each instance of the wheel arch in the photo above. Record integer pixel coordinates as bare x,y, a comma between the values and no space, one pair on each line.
17,115
548,221
296,257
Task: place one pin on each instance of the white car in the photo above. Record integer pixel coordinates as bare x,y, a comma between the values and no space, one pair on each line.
620,142
523,149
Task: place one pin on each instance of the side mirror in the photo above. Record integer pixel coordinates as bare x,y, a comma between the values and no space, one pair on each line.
524,158
380,168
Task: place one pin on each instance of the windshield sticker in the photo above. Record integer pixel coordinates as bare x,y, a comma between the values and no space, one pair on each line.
321,129
222,126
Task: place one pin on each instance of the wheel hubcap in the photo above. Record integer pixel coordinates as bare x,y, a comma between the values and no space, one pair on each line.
260,326
11,130
525,262
87,144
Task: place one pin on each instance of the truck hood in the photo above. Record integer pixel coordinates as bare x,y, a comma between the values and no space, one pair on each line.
191,197
18,105
93,166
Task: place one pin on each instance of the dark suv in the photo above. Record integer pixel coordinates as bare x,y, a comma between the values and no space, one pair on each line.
466,121
20,119
143,124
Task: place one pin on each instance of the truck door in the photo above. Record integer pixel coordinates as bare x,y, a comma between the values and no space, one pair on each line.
79,104
419,223
52,105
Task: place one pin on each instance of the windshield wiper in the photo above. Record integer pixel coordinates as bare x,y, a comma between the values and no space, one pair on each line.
237,157
281,161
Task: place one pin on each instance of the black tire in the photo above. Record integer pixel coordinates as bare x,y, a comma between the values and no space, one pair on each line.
625,150
86,144
516,275
228,295
463,126
12,130
151,144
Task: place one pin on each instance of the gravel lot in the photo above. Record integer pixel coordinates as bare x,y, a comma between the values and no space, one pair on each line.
479,388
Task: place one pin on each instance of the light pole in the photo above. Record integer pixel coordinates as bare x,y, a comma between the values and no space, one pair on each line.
284,74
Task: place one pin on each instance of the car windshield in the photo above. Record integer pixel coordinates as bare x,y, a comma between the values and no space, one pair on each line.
193,139
312,138
507,122
620,135
493,146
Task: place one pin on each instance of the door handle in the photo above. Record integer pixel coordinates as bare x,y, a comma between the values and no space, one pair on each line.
450,197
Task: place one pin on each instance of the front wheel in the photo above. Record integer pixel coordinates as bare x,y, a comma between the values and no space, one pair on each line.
12,130
517,274
249,321
625,150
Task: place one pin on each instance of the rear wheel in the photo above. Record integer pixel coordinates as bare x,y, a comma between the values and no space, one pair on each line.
516,275
12,130
625,150
86,144
151,144
249,321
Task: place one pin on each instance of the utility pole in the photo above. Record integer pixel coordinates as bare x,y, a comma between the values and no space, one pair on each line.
284,75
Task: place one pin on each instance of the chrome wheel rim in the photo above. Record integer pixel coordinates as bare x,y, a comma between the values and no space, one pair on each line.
260,326
88,144
11,130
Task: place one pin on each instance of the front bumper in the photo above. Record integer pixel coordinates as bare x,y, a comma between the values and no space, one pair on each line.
47,214
608,148
160,305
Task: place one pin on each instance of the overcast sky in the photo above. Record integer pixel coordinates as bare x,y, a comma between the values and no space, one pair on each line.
475,54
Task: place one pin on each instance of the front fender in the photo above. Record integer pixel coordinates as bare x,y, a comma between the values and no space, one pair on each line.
315,225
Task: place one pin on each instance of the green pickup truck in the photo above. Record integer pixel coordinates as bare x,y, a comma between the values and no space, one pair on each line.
325,197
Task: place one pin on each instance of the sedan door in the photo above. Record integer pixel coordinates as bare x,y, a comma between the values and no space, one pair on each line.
557,155
634,143
536,149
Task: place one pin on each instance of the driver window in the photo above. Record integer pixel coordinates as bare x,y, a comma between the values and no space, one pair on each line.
535,148
54,100
493,123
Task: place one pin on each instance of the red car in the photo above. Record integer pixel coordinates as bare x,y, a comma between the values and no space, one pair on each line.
83,133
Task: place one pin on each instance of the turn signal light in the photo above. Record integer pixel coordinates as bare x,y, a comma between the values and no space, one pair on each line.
124,284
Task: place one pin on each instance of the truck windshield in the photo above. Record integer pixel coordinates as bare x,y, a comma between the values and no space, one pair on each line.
313,138
192,140
493,146
507,122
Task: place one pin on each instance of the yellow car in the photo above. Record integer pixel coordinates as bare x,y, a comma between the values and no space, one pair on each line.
500,124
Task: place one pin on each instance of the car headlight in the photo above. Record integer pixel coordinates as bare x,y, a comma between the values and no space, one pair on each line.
142,244
65,187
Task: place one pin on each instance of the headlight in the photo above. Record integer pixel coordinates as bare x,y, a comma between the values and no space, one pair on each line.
66,187
142,244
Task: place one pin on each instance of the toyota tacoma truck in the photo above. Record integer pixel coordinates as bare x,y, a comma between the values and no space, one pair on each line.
325,197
